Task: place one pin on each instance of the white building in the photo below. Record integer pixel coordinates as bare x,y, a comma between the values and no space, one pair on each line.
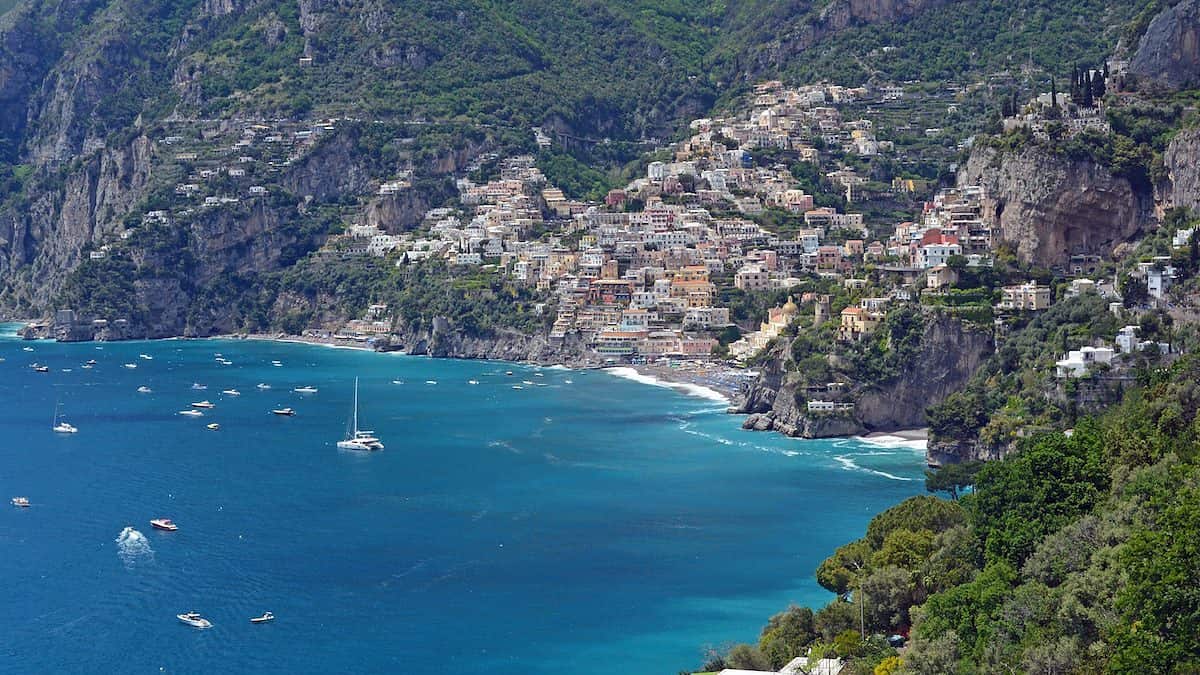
1077,362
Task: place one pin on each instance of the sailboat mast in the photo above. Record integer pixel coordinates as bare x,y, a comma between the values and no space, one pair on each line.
356,406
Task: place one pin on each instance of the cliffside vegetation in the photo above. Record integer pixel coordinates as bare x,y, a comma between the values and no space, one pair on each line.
1075,554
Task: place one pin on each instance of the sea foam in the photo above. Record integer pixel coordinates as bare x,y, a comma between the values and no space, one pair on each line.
685,387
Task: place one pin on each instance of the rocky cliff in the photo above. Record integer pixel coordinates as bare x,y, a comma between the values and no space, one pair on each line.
1182,163
950,352
1051,207
1169,52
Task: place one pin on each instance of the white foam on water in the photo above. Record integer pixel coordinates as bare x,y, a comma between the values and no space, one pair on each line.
850,465
133,547
888,441
685,387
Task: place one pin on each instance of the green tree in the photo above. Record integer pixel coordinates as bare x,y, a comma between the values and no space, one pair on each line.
952,478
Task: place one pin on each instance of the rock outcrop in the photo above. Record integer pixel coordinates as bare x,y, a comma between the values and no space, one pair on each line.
1051,207
1169,52
1182,162
950,353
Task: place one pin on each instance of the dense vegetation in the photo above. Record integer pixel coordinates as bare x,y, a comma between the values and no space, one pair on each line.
1074,555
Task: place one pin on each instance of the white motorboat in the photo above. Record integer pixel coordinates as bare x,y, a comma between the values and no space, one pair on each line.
430,381
144,389
517,386
26,349
214,427
277,364
199,387
263,386
22,502
358,439
145,357
231,392
39,368
61,426
191,413
194,620
472,381
204,404
305,390
165,524
131,366
265,618
90,362
285,412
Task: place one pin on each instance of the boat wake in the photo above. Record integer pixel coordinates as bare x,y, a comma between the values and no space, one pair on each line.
133,548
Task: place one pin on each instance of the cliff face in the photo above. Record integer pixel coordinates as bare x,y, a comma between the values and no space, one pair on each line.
950,353
1051,208
1182,162
1169,52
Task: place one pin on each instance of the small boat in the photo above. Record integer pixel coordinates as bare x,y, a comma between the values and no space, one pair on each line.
262,386
568,381
199,387
191,413
214,427
131,366
538,375
267,616
430,381
204,404
508,372
90,362
472,381
226,362
26,349
145,357
397,381
22,502
305,390
517,386
66,370
39,368
61,426
231,392
194,620
144,389
87,366
277,364
287,412
526,382
164,524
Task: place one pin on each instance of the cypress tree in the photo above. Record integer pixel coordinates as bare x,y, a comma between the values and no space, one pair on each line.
1087,91
1099,86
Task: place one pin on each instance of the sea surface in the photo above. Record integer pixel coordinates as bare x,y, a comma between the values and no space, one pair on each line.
582,523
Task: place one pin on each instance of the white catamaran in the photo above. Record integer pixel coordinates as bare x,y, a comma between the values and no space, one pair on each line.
357,439
61,425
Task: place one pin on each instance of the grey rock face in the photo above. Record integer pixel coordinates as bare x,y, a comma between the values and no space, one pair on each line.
1169,53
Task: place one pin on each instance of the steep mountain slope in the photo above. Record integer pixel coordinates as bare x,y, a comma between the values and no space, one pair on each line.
90,88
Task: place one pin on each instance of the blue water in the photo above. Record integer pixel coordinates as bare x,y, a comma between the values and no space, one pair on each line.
595,526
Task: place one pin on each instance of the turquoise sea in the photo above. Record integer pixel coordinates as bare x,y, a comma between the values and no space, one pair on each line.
582,523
